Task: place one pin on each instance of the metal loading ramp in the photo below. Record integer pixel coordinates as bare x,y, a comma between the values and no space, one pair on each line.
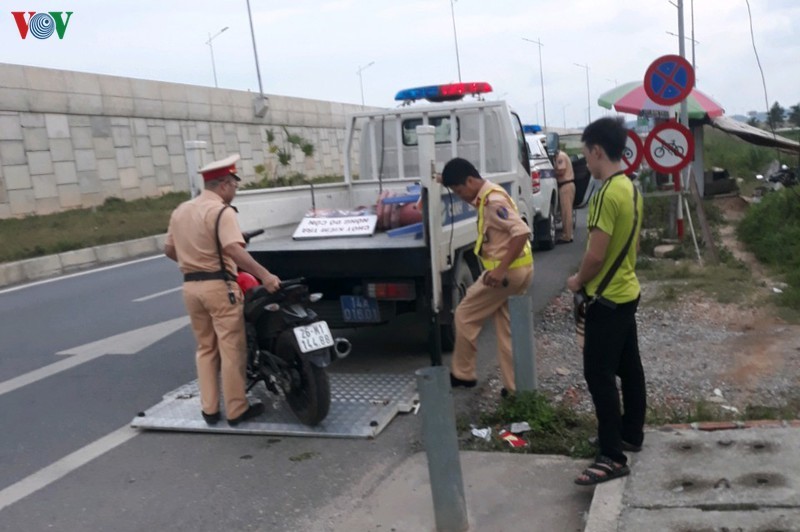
362,405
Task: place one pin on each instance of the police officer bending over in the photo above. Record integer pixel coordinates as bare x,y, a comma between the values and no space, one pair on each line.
504,249
205,240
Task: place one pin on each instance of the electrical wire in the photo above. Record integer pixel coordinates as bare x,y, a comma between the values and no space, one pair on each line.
763,79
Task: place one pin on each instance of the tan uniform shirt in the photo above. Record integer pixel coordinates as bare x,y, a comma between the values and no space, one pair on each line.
191,231
501,224
564,171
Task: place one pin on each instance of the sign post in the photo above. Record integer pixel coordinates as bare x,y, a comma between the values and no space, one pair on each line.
668,149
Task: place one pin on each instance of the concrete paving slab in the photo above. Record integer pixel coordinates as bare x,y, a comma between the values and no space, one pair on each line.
686,519
503,491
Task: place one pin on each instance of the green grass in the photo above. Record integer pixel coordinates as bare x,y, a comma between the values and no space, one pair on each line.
290,180
114,221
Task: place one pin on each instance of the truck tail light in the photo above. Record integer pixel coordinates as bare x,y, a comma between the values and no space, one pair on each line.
536,182
400,291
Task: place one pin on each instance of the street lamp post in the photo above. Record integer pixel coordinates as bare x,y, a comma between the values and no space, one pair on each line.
541,78
361,79
564,113
211,47
455,37
261,107
588,96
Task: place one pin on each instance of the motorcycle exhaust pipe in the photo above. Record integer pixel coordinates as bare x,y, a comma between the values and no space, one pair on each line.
342,347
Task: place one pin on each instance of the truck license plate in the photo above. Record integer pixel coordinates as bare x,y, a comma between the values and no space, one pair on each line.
313,337
357,309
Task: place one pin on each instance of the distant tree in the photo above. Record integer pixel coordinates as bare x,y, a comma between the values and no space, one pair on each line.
794,115
776,114
753,121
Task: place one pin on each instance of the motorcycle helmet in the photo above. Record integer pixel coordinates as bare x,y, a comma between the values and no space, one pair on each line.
246,281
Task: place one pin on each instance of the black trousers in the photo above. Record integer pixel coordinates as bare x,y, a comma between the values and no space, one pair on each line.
611,350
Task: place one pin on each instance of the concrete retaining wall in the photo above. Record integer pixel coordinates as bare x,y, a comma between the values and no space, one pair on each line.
69,139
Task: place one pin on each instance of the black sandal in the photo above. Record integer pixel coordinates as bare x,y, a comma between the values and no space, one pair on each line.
605,465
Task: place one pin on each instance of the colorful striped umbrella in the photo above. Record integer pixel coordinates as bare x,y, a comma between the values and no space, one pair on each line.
631,98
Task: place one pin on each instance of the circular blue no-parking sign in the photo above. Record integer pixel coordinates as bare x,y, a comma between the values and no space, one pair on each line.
669,80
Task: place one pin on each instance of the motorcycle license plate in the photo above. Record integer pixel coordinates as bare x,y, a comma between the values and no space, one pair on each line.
357,309
313,337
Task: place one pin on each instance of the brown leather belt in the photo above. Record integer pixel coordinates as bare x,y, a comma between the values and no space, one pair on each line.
207,276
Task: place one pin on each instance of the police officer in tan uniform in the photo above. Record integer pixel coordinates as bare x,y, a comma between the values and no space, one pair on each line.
205,240
565,176
504,249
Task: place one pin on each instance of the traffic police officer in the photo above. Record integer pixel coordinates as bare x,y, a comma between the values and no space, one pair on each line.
205,240
504,249
565,176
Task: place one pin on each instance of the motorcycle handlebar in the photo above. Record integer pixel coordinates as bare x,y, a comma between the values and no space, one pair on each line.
251,234
286,283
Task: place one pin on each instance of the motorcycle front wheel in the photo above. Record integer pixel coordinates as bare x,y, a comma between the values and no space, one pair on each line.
309,392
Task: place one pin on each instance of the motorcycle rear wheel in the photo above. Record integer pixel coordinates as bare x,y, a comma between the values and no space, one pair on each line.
309,394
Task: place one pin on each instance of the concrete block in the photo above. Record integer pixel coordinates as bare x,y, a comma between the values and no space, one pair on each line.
10,128
44,78
172,92
40,162
69,196
57,126
44,186
158,136
36,139
122,136
104,148
32,120
141,146
107,169
175,144
17,177
139,126
85,160
93,199
129,178
160,156
78,121
12,152
203,128
200,111
11,273
149,187
61,150
241,114
101,126
81,83
111,252
176,110
115,86
141,246
663,250
143,89
5,209
65,173
110,189
13,76
221,113
48,101
172,127
90,104
132,194
15,99
125,158
45,206
144,107
77,259
177,164
245,150
22,201
217,133
81,137
89,183
160,239
164,177
118,105
195,94
145,167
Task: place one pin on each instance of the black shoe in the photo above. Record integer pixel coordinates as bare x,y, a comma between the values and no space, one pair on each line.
254,410
211,419
455,381
562,241
504,392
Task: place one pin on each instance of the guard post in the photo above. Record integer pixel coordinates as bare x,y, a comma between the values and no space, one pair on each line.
523,346
440,440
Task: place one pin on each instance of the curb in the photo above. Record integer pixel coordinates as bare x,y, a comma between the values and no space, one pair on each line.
80,259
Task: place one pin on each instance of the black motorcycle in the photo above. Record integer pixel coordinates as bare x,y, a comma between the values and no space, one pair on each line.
784,177
289,346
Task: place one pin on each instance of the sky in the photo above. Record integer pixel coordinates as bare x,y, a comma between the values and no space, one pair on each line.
315,48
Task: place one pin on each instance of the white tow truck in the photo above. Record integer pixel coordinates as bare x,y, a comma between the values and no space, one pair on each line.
423,267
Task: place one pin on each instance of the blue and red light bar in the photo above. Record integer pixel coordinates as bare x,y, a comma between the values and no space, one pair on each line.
444,93
531,128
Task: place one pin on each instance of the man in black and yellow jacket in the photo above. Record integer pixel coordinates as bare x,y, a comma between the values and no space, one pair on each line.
503,247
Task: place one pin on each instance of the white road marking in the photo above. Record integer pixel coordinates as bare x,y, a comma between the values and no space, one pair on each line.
79,274
127,343
46,476
157,294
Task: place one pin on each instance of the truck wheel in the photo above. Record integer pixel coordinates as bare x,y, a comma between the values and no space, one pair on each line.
462,279
545,231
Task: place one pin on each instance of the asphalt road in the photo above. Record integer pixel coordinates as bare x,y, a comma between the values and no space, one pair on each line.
69,461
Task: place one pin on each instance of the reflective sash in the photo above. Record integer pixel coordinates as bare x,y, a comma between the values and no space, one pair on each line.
491,264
